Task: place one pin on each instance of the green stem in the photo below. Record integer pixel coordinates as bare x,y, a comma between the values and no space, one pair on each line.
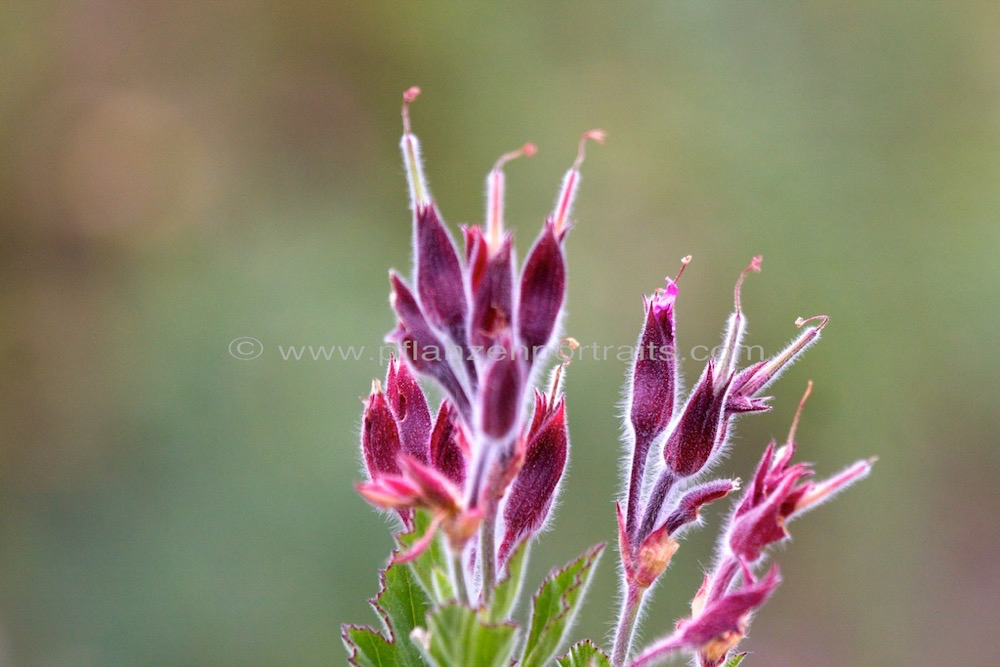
626,624
457,576
487,552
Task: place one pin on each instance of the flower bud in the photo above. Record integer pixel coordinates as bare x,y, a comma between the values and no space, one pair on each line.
530,496
756,378
379,435
543,288
501,391
654,386
449,447
439,277
409,407
701,429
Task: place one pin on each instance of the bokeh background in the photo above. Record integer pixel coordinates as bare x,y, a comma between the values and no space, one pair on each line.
179,174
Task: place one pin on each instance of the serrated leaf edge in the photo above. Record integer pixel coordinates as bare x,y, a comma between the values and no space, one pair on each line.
584,641
588,558
353,648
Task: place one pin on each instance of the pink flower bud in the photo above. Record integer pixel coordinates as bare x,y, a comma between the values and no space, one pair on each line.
756,378
379,435
409,407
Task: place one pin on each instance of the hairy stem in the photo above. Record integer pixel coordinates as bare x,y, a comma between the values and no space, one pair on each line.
487,551
653,506
627,617
639,454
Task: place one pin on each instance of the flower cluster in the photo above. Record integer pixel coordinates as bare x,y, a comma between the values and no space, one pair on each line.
731,593
481,331
661,500
488,462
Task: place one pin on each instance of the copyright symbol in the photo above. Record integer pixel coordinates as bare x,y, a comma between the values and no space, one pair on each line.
245,348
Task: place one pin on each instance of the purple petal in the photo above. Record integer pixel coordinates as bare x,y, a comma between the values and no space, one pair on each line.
727,614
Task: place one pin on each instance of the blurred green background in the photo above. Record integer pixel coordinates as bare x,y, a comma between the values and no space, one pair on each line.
179,174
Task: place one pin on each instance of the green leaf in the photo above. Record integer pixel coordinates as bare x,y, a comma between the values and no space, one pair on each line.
584,654
554,607
433,556
443,589
456,635
367,647
509,589
403,605
735,660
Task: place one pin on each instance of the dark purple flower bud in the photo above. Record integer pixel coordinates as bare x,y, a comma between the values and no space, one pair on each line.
543,288
501,391
654,386
687,509
654,375
379,436
492,297
420,345
449,445
409,407
531,494
543,279
701,428
440,281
